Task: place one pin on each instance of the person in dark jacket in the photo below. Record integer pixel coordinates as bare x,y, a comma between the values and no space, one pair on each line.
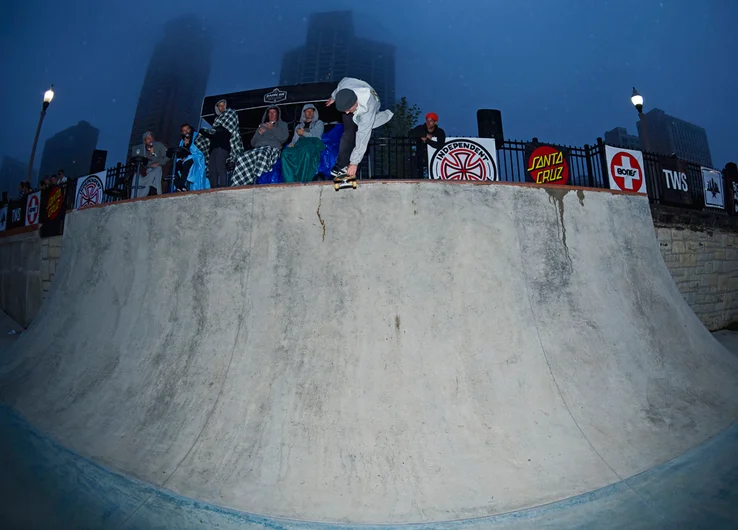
428,133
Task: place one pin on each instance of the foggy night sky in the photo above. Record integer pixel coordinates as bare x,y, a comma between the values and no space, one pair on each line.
561,70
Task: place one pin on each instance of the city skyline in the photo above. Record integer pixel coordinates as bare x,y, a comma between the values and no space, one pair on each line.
447,62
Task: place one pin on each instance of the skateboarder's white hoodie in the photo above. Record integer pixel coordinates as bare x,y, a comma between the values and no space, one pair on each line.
367,115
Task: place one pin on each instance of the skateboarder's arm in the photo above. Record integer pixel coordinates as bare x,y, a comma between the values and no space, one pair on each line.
362,140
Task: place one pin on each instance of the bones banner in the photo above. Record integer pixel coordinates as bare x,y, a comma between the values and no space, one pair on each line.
464,159
33,208
626,169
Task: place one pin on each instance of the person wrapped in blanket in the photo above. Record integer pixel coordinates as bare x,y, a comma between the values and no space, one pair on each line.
221,145
191,169
267,144
301,158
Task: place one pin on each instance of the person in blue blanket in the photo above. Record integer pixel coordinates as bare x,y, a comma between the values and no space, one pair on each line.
191,170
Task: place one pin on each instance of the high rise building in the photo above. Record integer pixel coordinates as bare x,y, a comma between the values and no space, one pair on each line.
12,173
668,135
175,82
619,137
70,150
332,51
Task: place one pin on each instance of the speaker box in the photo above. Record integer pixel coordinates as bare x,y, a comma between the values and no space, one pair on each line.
489,122
99,157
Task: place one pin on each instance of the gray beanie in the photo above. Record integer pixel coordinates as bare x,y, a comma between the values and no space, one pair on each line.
345,99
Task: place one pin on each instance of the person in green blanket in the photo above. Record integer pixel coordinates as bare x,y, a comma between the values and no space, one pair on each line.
301,158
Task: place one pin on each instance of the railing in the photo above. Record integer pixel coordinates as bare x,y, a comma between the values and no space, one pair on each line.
398,158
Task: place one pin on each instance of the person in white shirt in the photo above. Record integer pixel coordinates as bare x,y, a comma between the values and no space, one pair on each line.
359,104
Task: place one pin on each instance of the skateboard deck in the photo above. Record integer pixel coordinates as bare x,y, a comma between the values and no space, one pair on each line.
344,182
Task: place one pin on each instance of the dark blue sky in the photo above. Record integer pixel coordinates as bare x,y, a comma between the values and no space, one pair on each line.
561,70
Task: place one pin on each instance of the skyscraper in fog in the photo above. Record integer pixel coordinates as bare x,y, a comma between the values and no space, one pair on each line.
332,51
175,82
668,135
70,150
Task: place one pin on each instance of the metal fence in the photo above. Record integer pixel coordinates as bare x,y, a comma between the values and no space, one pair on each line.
398,158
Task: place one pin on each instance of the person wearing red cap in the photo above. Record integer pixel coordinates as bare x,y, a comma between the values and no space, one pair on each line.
428,133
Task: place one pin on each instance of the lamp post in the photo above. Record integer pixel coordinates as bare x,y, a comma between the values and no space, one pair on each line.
637,101
48,96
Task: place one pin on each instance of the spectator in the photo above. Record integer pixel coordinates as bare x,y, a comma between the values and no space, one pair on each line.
359,104
221,144
44,184
267,142
150,183
53,181
192,167
427,133
301,158
61,177
22,190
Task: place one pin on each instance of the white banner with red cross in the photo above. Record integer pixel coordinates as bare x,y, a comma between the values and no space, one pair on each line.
626,169
33,208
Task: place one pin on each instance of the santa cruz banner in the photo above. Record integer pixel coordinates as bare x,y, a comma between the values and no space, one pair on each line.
464,159
547,164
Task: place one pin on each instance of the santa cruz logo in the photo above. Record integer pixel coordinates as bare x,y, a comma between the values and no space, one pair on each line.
463,160
90,192
275,96
548,165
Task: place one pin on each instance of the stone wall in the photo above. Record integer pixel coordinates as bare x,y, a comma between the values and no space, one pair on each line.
701,251
27,266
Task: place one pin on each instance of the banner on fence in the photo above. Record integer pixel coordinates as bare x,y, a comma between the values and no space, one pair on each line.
712,181
16,214
53,211
33,208
546,164
464,159
3,217
625,169
90,190
675,181
734,190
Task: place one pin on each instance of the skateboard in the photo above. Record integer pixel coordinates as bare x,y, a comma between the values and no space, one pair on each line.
344,182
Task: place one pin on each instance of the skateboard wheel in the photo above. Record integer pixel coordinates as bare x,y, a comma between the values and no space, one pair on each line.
336,186
354,184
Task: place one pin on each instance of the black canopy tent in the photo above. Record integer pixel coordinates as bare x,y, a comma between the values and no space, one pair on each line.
251,104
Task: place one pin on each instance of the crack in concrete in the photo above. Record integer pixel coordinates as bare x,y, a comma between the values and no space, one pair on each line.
322,222
556,197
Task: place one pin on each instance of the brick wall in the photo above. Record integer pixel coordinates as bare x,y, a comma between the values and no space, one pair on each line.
50,254
701,252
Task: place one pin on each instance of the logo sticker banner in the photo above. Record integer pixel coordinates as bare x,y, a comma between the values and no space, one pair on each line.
52,212
33,208
464,159
712,181
675,183
734,186
3,218
89,191
546,164
626,169
16,214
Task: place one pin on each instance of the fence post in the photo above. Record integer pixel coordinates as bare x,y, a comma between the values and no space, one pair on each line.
603,163
590,169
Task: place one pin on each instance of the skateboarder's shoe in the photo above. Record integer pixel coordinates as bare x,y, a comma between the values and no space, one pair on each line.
339,172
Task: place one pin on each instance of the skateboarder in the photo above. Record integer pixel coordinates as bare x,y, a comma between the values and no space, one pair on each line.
359,104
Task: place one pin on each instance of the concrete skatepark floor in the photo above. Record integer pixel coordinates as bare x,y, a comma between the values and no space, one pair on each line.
186,404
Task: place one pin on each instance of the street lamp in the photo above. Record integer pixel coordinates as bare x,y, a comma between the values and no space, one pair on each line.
48,96
637,101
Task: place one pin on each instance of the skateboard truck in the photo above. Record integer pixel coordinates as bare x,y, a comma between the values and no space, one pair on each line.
344,182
